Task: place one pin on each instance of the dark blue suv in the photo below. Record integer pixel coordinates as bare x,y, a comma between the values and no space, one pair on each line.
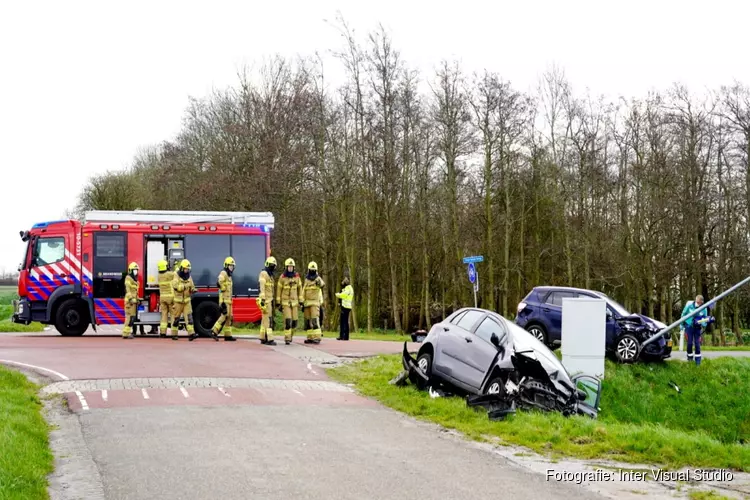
540,313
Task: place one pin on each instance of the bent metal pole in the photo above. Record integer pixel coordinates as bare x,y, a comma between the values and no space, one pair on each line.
715,299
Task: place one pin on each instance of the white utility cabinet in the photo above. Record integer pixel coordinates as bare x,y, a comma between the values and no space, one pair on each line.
584,331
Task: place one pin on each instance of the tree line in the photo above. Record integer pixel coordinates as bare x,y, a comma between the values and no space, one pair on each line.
395,176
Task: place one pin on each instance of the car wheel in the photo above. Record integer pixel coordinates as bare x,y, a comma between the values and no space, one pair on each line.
538,332
496,386
424,362
627,349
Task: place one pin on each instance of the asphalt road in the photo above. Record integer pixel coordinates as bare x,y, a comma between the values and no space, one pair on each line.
148,418
152,418
313,452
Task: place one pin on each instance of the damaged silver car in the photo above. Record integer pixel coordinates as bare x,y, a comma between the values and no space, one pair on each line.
499,366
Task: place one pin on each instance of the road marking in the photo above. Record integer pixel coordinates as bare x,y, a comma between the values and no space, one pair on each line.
295,390
34,367
104,394
145,394
309,367
84,404
224,392
184,392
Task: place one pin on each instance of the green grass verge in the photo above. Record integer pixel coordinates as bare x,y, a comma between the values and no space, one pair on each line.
643,419
26,459
6,325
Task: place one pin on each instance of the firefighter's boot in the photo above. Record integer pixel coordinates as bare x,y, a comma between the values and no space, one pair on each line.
287,331
192,336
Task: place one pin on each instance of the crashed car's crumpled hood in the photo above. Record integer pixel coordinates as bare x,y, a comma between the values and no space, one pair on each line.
640,319
527,345
644,327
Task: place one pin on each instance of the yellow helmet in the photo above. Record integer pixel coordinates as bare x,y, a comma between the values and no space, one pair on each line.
229,261
271,261
289,262
185,264
133,266
162,265
312,266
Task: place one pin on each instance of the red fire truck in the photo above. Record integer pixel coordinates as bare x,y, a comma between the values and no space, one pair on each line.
73,273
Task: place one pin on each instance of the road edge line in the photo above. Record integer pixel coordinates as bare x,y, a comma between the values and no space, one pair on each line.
34,367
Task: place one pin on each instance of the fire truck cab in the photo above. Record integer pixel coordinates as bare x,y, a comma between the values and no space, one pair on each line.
73,273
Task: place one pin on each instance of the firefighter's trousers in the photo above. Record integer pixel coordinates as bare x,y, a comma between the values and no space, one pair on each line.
290,320
129,327
224,322
166,305
183,308
266,331
312,322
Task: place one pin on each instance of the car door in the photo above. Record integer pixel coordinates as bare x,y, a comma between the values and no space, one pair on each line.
480,352
552,308
442,362
592,388
453,345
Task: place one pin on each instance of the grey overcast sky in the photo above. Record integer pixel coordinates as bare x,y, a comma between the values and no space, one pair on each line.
84,85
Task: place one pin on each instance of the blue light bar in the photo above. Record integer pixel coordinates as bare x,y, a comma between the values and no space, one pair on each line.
263,227
45,224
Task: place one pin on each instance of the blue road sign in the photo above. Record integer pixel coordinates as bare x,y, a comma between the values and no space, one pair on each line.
475,258
472,273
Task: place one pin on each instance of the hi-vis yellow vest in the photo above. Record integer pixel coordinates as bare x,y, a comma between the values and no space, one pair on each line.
346,295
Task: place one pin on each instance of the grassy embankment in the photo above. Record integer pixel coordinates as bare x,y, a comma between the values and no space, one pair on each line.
642,419
7,295
26,459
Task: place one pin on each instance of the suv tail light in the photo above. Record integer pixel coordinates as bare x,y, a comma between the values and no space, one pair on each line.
521,307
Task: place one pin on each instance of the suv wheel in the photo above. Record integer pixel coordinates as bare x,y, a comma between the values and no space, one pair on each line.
627,349
538,332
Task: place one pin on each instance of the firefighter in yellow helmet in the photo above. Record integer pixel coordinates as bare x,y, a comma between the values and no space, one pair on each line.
265,300
288,297
183,287
166,299
225,301
131,301
312,297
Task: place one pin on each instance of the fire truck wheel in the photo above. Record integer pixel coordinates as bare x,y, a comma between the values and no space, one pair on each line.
205,316
72,318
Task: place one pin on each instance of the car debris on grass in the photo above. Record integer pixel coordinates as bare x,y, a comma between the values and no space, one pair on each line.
518,372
